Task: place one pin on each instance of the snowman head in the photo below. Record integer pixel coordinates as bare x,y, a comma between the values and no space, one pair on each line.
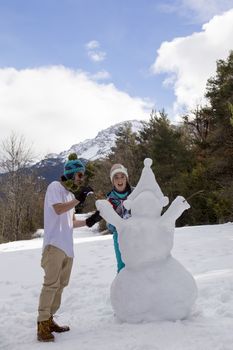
147,198
146,204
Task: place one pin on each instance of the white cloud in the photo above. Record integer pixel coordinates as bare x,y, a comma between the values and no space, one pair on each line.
101,75
56,107
191,60
94,52
97,56
197,10
91,45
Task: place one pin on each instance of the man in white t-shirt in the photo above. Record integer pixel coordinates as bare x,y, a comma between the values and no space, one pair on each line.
58,253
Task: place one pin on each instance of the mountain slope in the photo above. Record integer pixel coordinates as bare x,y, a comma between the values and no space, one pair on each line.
99,147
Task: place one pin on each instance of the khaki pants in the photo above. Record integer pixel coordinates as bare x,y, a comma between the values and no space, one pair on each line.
57,267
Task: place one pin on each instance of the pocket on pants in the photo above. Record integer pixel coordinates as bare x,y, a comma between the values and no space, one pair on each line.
52,262
44,258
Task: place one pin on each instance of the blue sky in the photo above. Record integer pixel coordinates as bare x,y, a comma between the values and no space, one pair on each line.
55,32
132,55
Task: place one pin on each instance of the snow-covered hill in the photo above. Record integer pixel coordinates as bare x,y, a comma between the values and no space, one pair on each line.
206,251
100,146
51,167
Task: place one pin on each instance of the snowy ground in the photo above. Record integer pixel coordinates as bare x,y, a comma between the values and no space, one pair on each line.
206,251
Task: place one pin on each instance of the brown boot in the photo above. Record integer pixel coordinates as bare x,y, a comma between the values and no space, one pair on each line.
54,327
44,332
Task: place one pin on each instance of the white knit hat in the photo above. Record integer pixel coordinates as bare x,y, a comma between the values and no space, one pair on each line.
118,168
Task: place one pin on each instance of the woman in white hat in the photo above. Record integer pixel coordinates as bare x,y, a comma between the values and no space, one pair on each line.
119,193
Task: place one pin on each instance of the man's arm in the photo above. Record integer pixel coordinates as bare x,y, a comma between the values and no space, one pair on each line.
80,197
61,208
78,223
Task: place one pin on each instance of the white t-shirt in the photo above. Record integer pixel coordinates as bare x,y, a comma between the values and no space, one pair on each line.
58,229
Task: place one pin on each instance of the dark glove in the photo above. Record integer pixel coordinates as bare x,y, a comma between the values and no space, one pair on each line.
93,219
82,193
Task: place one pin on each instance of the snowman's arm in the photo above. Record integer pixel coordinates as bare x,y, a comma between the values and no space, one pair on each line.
108,213
177,207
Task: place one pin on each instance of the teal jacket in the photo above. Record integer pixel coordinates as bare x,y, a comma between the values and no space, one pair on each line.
120,263
116,199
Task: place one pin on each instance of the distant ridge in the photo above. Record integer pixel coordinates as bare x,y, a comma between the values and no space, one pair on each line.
51,167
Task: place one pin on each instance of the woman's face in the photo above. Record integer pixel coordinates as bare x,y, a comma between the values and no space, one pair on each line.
119,182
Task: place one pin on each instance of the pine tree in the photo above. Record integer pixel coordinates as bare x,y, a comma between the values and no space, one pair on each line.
220,95
211,131
125,152
166,145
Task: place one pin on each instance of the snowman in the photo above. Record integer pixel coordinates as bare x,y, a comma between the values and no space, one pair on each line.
153,286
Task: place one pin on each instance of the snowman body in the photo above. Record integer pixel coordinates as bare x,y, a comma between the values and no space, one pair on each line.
153,285
158,291
136,241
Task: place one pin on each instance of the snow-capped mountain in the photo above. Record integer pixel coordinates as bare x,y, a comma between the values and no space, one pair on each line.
92,149
100,146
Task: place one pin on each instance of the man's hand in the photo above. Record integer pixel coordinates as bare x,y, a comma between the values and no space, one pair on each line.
82,194
93,219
